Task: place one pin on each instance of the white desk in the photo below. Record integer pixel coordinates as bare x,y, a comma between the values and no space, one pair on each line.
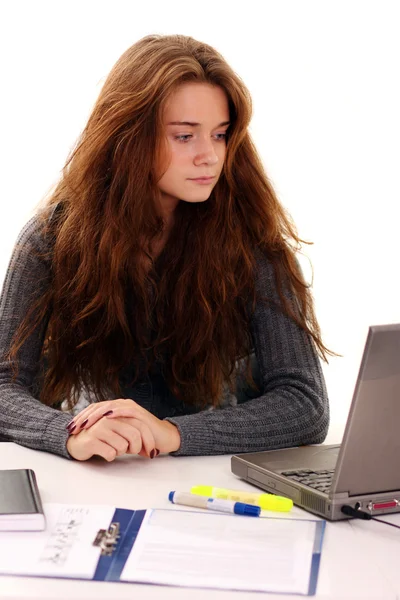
360,559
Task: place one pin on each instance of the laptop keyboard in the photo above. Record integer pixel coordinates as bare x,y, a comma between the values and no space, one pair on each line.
320,480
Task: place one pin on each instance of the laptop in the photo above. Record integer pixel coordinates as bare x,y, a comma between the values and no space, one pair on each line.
364,470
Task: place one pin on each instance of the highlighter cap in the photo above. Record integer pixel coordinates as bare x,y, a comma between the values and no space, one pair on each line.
275,503
202,490
249,510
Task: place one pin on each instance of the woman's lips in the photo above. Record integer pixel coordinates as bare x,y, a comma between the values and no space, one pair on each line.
203,180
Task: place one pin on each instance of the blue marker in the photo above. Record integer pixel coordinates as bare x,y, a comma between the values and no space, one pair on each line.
237,508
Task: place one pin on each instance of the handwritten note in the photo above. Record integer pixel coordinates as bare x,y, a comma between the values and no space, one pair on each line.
64,535
64,549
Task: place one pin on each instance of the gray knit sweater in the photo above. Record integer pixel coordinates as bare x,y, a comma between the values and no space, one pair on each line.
291,410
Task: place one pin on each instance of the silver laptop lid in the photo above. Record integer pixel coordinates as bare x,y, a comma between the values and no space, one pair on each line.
369,457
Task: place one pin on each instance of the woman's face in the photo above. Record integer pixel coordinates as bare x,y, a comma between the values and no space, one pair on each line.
196,119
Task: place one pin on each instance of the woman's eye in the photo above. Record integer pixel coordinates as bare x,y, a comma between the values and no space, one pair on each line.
183,138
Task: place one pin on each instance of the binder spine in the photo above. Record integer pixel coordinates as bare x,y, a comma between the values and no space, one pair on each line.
116,545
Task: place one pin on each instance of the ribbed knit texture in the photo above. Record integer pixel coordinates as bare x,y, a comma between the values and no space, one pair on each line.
292,410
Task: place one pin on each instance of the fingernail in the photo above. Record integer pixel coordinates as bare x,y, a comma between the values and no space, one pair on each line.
109,412
71,430
152,453
84,423
70,424
158,452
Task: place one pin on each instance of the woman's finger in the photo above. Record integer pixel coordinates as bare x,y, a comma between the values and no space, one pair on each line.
119,437
132,412
83,448
108,439
75,425
104,450
129,432
148,448
96,411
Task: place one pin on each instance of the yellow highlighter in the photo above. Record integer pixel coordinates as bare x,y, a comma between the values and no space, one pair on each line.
265,501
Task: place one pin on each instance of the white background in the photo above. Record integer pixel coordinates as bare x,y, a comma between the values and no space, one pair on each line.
325,82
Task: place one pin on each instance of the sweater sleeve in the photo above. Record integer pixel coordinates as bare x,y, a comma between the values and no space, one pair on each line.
23,418
293,409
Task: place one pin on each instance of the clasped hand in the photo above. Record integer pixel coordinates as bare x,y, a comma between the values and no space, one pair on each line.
115,427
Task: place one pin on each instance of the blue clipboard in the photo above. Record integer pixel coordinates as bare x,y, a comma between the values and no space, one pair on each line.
110,567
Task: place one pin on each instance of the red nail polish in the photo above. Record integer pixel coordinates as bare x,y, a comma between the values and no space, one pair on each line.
70,424
109,412
84,423
152,453
71,430
158,452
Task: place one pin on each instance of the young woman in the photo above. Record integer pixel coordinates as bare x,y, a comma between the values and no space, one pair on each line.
159,278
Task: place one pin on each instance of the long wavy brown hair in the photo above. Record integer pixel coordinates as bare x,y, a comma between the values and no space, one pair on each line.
192,308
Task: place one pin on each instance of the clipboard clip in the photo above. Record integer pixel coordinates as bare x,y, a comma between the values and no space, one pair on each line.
107,539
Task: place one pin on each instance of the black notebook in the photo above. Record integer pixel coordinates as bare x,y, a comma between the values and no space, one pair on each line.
20,505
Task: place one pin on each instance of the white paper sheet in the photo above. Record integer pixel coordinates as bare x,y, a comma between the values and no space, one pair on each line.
64,549
222,551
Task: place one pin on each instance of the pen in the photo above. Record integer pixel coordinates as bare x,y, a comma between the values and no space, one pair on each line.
238,508
265,501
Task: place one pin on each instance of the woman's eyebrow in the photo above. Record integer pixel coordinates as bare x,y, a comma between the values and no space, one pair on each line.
191,124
